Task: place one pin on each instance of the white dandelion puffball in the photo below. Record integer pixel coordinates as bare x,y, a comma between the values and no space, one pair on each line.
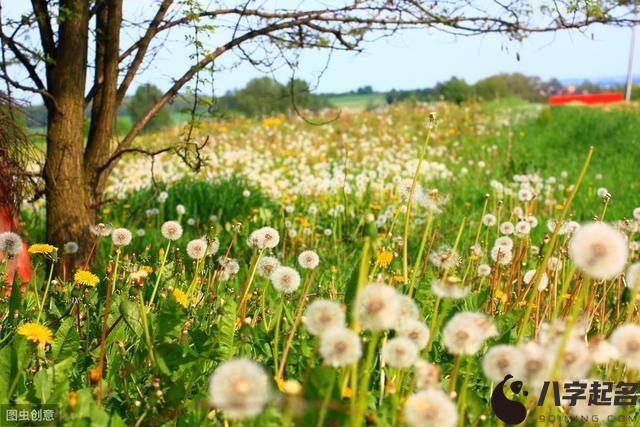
239,388
246,193
632,278
270,237
308,260
501,360
504,242
399,352
191,221
575,361
323,315
427,375
416,331
408,309
340,347
636,213
163,196
507,228
121,237
71,248
214,246
378,307
602,351
484,270
450,287
602,192
489,220
430,408
140,232
180,209
230,268
525,195
501,255
285,279
197,248
266,266
599,250
10,244
171,230
522,228
466,331
530,275
626,339
101,229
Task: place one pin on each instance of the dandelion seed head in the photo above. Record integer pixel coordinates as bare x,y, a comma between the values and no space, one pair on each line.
489,220
71,248
340,347
427,375
266,266
171,230
285,279
399,352
308,260
430,408
484,270
501,360
121,237
626,339
415,331
239,388
378,307
197,248
10,244
507,228
101,229
323,315
599,250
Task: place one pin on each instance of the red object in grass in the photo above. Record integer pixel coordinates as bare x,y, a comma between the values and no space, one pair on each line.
593,98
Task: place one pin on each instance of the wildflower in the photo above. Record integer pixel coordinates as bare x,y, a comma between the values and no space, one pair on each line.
171,230
489,220
408,309
522,228
230,268
504,242
598,250
340,347
530,275
445,258
239,388
10,244
322,315
484,270
180,209
384,258
86,278
466,331
264,238
602,351
525,195
603,193
41,248
266,266
121,237
181,297
451,287
399,352
71,248
197,248
626,339
632,279
430,408
308,260
416,331
378,307
427,375
214,246
507,228
101,229
501,256
37,333
285,279
501,360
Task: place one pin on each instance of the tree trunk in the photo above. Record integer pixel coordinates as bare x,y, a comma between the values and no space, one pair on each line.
70,205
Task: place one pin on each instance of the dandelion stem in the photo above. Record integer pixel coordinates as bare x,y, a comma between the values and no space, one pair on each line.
160,271
46,292
107,307
454,373
407,219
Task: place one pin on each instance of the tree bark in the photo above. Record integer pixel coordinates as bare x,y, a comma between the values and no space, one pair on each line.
70,205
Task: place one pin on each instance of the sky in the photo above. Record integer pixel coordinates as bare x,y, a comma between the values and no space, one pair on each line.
411,59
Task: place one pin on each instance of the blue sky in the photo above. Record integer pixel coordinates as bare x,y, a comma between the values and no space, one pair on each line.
411,59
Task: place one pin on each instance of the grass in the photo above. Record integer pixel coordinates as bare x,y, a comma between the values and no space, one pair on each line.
341,191
358,102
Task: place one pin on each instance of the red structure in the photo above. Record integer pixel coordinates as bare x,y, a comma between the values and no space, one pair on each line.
593,98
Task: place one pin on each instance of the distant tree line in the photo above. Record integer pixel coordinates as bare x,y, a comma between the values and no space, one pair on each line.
499,86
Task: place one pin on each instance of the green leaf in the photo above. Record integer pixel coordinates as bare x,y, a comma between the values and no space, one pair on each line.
169,320
13,360
226,333
66,340
130,312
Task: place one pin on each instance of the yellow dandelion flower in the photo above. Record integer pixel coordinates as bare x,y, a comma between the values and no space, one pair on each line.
397,279
86,278
41,248
181,298
37,333
384,258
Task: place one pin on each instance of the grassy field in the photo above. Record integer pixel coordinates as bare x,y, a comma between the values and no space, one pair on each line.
358,102
412,257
